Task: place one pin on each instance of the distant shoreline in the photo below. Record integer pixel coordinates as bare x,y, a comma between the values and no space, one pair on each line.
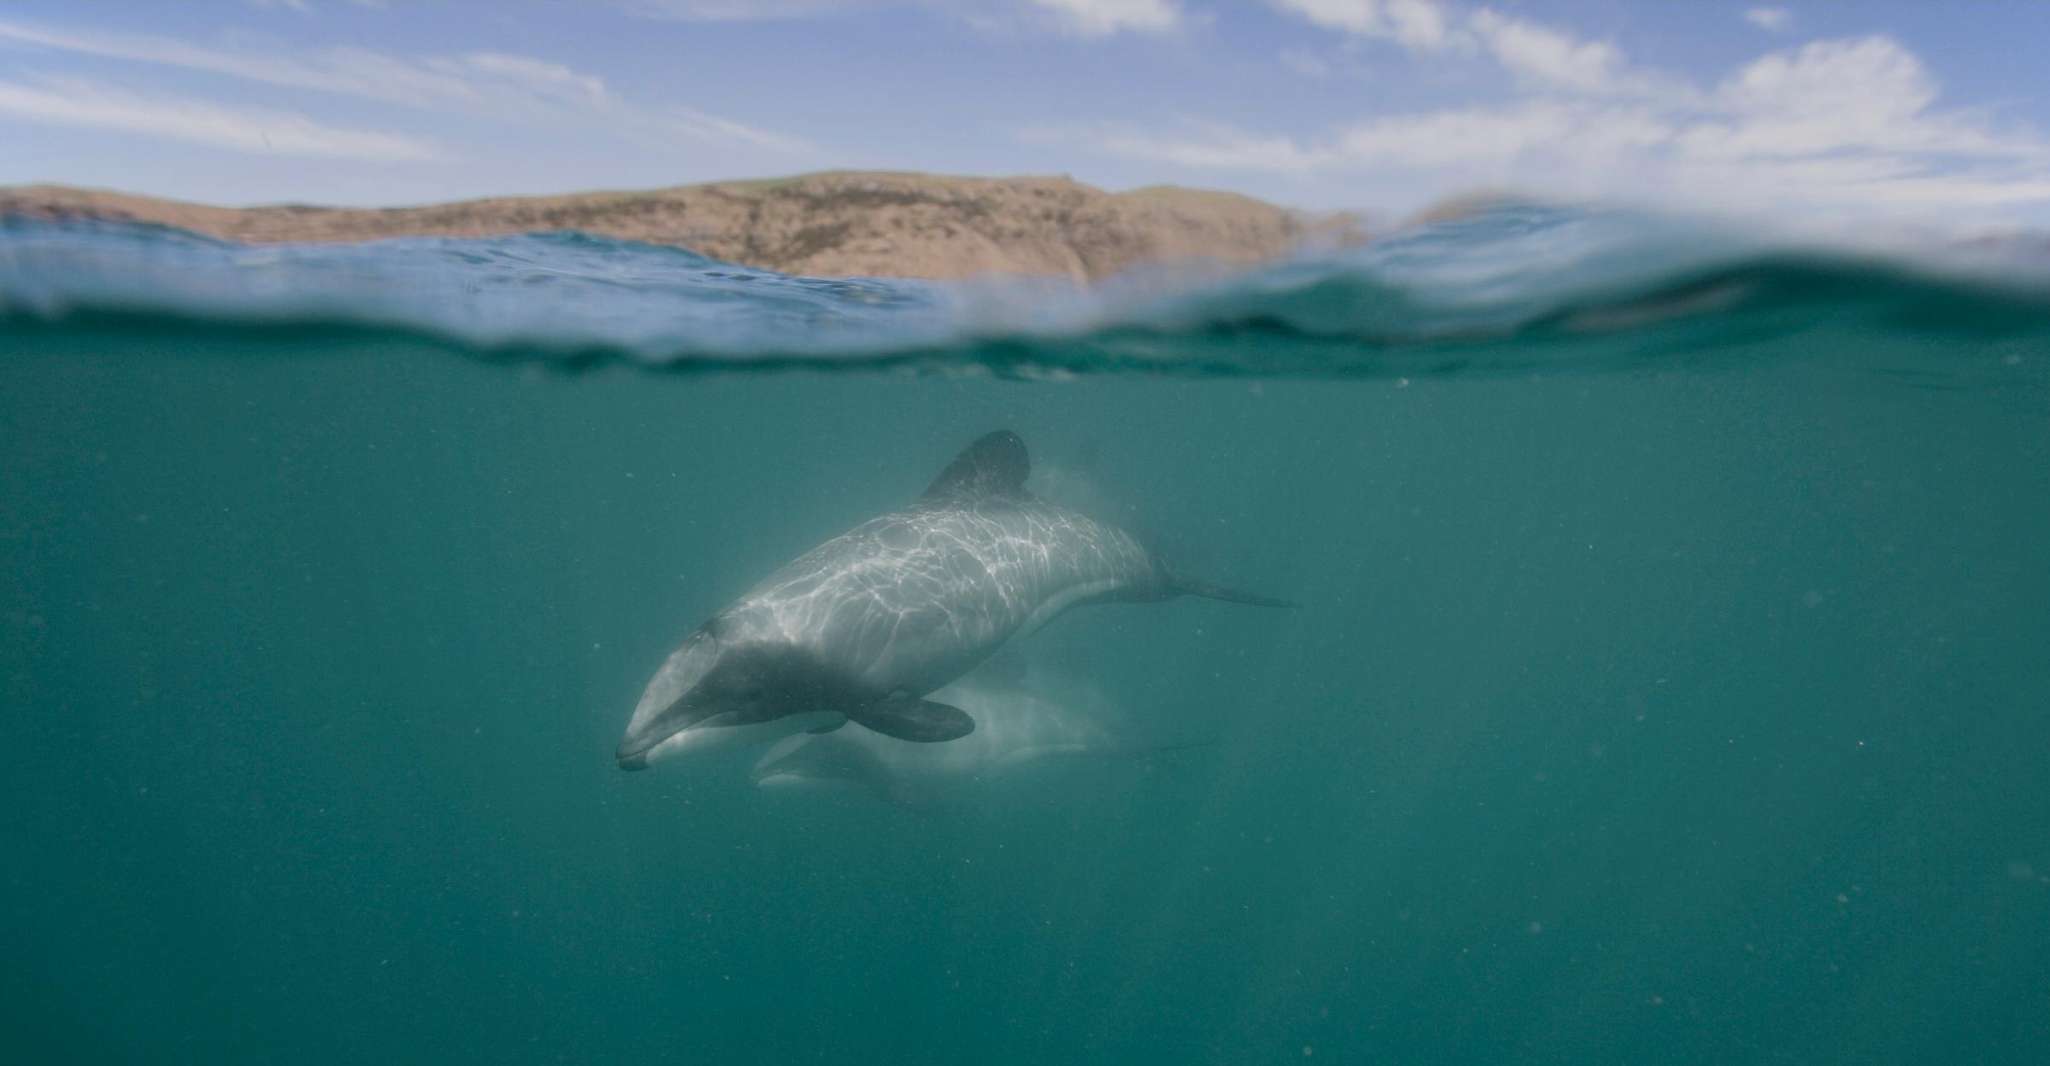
834,224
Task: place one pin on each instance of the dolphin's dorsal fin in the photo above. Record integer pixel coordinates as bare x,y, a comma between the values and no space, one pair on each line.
995,465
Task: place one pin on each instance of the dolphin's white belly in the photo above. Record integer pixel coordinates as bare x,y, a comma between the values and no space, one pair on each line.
754,735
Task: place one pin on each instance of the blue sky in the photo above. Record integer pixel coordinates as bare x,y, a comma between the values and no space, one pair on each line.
1917,109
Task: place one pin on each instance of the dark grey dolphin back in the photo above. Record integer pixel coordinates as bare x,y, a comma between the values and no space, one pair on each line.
995,465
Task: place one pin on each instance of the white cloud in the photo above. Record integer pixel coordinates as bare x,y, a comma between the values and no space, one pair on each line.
1577,134
1085,18
305,7
1863,80
1546,55
493,85
737,10
1773,19
72,102
1835,123
1101,18
1307,64
1479,141
1361,17
1416,24
1209,146
1867,94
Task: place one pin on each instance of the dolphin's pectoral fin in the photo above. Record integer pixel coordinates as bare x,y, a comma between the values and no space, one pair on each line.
919,721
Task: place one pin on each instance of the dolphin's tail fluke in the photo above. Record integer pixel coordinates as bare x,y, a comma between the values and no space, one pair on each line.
1189,586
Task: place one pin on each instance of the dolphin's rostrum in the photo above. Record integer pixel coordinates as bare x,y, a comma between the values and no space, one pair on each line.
863,626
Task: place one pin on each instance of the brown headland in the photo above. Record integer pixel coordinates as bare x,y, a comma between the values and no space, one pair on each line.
835,224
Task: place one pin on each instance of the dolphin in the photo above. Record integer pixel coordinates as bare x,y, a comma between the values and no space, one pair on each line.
1048,717
863,627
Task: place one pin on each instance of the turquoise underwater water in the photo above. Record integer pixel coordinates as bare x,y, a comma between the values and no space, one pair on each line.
1671,681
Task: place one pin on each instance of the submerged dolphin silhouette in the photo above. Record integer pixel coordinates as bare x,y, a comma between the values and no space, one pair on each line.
861,627
1043,717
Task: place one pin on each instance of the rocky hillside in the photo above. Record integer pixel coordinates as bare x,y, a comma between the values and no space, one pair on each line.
832,224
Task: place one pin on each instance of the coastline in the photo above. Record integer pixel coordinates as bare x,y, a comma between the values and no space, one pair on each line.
832,224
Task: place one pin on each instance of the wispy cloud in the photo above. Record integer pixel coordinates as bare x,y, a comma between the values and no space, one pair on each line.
431,82
1538,54
74,102
699,126
1773,19
488,84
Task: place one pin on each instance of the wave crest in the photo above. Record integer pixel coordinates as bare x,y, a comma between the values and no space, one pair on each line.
1508,289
